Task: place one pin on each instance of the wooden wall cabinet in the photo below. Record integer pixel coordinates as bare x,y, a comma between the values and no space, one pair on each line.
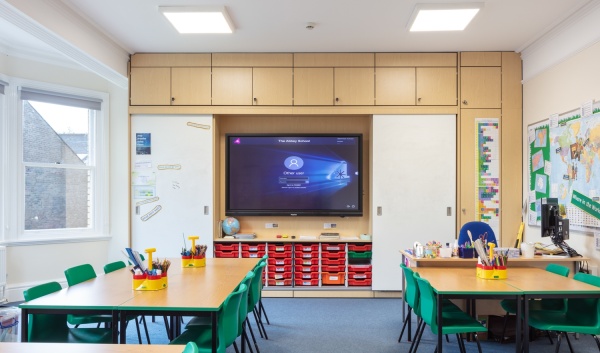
395,86
313,86
272,86
436,86
232,86
481,80
354,86
170,79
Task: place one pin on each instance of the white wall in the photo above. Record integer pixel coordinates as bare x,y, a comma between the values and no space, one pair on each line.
562,87
34,264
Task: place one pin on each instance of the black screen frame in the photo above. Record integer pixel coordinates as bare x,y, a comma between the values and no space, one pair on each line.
358,212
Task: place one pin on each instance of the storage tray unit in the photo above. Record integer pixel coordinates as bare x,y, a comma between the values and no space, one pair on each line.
279,262
333,264
333,278
227,250
280,266
279,275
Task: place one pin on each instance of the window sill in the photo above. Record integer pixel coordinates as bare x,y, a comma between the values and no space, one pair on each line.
64,240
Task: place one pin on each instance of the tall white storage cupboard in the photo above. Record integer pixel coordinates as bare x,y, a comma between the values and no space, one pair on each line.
413,188
172,182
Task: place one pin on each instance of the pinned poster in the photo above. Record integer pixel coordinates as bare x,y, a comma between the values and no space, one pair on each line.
143,143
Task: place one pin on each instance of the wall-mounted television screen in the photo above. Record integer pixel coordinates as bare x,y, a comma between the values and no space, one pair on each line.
293,175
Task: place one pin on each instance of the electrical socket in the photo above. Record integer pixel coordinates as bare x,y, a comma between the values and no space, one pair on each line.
329,225
271,225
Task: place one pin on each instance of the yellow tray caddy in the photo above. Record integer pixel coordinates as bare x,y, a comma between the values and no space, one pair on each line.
146,282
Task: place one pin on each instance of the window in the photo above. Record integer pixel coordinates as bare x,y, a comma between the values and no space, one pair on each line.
60,168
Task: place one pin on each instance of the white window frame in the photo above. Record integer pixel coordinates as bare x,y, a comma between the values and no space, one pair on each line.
13,176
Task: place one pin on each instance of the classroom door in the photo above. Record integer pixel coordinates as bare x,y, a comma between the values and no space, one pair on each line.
171,182
414,188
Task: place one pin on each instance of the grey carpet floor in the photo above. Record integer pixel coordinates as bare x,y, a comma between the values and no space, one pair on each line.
334,325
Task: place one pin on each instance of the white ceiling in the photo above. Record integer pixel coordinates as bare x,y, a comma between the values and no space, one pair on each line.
279,26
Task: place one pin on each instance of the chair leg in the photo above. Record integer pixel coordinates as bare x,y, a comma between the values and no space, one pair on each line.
235,347
461,343
569,342
417,339
597,341
252,334
143,320
504,327
166,327
245,341
261,310
549,337
260,323
558,341
477,340
406,321
137,328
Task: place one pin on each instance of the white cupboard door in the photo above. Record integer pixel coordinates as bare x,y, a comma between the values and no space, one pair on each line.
171,182
414,188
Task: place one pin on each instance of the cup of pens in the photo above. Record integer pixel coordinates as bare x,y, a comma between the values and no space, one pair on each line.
195,256
492,265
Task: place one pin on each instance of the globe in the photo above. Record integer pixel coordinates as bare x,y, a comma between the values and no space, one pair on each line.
230,226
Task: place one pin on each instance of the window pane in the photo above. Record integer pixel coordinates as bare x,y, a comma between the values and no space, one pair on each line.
57,198
55,133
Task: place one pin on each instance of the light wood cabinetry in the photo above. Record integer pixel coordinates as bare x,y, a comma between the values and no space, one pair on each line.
272,86
354,86
170,79
436,86
232,86
481,80
313,86
395,86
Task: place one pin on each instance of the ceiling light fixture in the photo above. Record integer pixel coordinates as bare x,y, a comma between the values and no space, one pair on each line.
196,19
442,17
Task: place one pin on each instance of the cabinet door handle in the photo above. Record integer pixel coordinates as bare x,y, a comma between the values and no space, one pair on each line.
465,102
337,99
419,99
255,100
172,99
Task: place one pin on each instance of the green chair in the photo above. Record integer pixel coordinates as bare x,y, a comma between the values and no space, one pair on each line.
54,328
190,347
76,275
227,326
510,305
261,308
453,322
254,299
117,265
582,315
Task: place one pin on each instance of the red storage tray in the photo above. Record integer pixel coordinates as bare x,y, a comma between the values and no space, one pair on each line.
282,275
249,254
333,278
333,254
360,268
306,247
279,262
279,282
333,262
359,275
306,262
360,282
333,247
360,247
336,268
306,275
308,255
227,253
253,247
227,247
284,268
312,268
280,255
279,247
306,282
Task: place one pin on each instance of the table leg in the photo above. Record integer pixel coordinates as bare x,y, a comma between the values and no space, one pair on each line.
525,315
123,324
213,320
24,325
439,323
115,326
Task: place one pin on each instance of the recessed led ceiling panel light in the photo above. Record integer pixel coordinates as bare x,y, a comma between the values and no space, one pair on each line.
443,17
195,19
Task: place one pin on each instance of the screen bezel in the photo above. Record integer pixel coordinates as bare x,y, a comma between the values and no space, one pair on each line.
358,212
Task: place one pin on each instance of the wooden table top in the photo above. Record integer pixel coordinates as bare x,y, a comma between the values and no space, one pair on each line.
18,347
519,261
204,287
526,280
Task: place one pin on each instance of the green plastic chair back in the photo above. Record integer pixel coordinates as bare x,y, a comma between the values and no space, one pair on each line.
585,311
411,291
558,269
53,327
78,274
45,327
190,347
256,287
243,312
113,266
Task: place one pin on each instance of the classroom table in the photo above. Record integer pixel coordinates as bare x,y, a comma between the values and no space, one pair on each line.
522,284
190,292
462,283
31,347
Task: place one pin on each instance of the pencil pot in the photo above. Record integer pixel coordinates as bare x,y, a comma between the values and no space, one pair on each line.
492,272
199,261
138,280
186,261
465,253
